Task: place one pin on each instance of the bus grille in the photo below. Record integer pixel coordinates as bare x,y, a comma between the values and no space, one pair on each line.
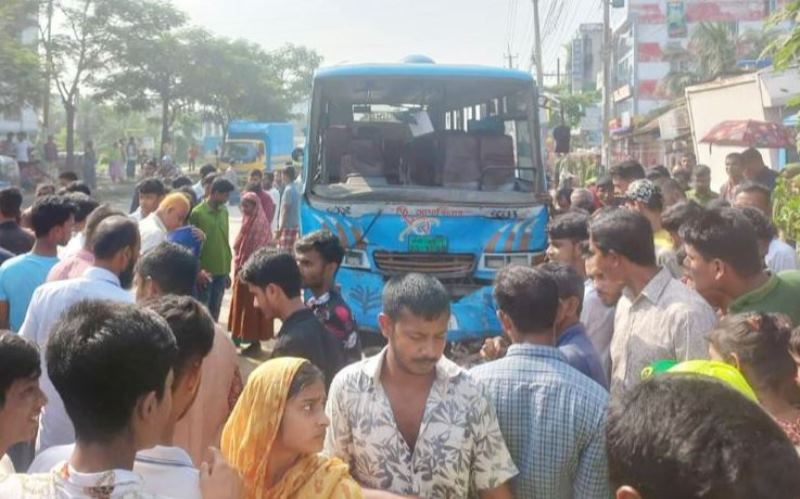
437,264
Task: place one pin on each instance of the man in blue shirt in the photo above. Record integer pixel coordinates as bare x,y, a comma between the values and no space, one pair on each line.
551,416
53,218
571,337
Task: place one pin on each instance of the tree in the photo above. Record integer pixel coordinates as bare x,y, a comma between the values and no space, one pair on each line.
573,105
21,72
785,49
714,48
234,79
294,66
148,61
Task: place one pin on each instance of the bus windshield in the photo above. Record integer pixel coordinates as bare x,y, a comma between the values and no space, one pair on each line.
243,152
424,139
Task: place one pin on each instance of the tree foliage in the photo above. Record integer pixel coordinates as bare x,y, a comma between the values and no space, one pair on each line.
713,46
19,62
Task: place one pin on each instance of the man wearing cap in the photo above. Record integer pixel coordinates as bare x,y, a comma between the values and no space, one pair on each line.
170,215
645,197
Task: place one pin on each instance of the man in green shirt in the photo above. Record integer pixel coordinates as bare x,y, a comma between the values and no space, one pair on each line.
727,269
701,189
211,217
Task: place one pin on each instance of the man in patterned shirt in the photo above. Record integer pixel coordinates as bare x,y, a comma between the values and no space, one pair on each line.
551,415
410,422
319,256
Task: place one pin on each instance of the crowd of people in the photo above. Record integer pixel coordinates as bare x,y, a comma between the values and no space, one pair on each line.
656,353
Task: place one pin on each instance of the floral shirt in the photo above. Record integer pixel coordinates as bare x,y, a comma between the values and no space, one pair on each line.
459,450
65,483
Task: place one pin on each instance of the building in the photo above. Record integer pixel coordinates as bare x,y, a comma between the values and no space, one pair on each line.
651,39
24,119
764,96
586,57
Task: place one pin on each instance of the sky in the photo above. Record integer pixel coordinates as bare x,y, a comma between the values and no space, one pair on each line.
449,31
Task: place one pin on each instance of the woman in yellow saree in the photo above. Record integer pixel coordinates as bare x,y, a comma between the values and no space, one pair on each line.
275,432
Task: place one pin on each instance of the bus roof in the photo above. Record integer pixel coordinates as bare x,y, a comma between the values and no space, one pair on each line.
421,70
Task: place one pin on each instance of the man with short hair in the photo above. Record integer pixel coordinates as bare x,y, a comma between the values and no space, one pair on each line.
408,421
623,174
269,187
205,170
13,237
671,191
319,256
582,199
66,178
21,399
75,186
131,155
568,239
701,186
23,150
671,220
115,246
74,266
289,214
171,269
754,195
151,192
211,217
275,280
735,171
170,215
695,438
51,153
167,469
605,190
84,206
726,267
112,365
778,256
657,316
645,197
53,218
571,336
756,171
550,414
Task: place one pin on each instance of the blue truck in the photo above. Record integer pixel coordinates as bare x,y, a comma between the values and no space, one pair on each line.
252,146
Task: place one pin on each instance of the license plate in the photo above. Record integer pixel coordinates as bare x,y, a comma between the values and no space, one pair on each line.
427,244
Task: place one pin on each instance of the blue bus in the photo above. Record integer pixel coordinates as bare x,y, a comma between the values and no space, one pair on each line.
422,167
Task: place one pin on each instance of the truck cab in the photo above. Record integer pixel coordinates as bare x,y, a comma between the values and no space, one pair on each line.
256,146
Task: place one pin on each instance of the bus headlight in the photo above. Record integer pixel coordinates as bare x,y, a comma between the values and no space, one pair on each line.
496,261
356,259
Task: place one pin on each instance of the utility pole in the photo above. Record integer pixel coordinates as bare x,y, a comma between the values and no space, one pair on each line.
606,83
537,50
510,58
48,68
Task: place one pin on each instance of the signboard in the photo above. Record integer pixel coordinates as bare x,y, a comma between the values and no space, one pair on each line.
622,93
676,19
673,123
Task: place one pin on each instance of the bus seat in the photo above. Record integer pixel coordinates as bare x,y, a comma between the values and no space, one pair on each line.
363,158
337,142
497,151
461,161
422,161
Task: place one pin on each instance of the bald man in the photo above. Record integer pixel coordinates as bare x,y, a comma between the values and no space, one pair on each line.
170,215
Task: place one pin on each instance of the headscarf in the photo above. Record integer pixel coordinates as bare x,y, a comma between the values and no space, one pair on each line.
252,429
255,232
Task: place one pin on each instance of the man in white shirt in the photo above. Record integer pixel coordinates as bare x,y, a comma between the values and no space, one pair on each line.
780,256
275,194
170,215
116,249
84,206
23,148
21,399
150,192
199,189
166,469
